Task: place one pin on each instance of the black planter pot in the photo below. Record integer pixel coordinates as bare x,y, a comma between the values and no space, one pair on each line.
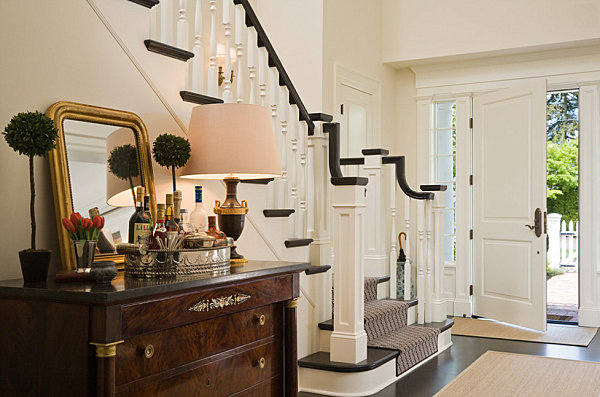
34,265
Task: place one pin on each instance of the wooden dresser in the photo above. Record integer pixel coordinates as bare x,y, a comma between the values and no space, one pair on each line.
231,335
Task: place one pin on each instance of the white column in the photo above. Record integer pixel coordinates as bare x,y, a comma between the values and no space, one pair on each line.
227,26
252,49
240,29
408,265
349,340
393,248
282,193
438,305
421,255
198,50
213,76
183,30
376,259
554,242
320,251
301,220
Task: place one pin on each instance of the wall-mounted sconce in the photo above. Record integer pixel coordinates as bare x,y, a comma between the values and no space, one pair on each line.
221,62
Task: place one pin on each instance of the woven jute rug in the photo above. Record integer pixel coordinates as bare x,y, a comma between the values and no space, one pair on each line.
507,374
557,334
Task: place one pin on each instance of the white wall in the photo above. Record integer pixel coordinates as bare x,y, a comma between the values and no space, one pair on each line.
427,29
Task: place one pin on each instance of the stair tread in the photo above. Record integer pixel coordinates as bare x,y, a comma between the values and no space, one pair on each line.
297,242
408,337
278,212
327,325
200,99
441,325
322,360
168,50
317,269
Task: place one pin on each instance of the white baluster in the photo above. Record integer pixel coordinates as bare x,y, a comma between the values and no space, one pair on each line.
183,30
301,220
421,242
240,29
273,102
408,278
293,123
429,259
155,15
252,49
263,69
227,26
166,18
213,75
438,306
282,194
393,271
198,50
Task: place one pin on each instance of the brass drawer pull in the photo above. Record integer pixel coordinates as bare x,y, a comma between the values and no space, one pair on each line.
261,363
262,319
149,351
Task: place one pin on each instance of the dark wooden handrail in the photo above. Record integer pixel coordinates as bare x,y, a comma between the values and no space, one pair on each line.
274,61
399,162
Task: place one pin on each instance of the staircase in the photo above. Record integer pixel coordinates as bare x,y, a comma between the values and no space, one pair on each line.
391,340
174,46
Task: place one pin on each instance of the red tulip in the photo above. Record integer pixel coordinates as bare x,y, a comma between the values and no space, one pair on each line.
86,224
102,222
68,225
97,222
76,218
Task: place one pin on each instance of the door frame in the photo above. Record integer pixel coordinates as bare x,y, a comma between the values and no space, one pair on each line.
465,79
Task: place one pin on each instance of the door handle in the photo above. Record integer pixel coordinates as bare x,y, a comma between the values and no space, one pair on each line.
538,223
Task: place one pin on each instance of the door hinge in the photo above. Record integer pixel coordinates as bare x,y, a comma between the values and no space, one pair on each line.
471,122
471,234
470,290
342,108
471,180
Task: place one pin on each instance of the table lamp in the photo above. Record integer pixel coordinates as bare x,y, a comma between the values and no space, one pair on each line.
232,142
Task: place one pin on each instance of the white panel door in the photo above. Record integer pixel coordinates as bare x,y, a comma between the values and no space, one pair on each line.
509,172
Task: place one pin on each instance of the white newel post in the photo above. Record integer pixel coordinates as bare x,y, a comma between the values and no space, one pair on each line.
349,340
375,225
421,254
198,50
437,304
554,240
393,249
213,76
320,253
429,260
301,219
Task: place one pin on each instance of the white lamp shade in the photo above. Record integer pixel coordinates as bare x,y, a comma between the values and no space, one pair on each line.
118,191
232,140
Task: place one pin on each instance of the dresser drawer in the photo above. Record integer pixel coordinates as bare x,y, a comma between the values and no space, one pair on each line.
189,308
269,388
226,375
177,346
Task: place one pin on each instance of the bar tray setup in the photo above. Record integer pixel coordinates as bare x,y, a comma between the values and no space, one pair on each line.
158,263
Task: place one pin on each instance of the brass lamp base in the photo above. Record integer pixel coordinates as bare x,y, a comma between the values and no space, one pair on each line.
231,215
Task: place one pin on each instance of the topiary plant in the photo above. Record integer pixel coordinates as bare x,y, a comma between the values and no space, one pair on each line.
171,151
32,134
123,163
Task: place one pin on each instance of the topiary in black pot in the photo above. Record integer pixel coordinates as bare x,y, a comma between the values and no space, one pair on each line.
171,151
32,134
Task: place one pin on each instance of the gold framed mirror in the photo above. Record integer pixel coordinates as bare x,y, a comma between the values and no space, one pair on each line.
81,179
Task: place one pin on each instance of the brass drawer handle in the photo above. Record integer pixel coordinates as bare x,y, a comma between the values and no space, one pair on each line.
262,319
149,351
261,363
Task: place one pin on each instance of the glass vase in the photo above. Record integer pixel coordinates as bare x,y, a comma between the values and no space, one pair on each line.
84,254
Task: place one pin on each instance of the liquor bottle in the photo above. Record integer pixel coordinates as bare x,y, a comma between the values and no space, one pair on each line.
170,224
169,203
147,210
199,217
185,226
221,238
177,197
139,224
160,231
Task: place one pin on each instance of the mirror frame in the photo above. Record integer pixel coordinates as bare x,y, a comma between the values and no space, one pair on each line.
59,166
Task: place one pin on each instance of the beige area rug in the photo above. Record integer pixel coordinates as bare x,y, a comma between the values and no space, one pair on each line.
558,334
507,374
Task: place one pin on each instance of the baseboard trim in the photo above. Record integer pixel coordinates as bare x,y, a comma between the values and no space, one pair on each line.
589,317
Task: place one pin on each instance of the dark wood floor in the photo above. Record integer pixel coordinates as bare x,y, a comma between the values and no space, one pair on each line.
428,379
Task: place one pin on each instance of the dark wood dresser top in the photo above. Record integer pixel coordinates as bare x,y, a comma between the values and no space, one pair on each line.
124,288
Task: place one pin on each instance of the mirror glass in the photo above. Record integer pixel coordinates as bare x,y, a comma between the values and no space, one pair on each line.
103,163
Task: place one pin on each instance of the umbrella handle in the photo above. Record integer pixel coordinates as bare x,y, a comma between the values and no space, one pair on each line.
400,238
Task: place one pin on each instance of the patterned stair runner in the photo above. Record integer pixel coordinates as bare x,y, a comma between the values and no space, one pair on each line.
386,327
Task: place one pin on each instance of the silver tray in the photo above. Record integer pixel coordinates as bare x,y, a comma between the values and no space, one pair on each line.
167,263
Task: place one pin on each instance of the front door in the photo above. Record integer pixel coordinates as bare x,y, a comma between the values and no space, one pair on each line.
509,186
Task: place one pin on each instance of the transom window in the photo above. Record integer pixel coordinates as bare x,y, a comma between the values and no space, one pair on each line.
444,168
